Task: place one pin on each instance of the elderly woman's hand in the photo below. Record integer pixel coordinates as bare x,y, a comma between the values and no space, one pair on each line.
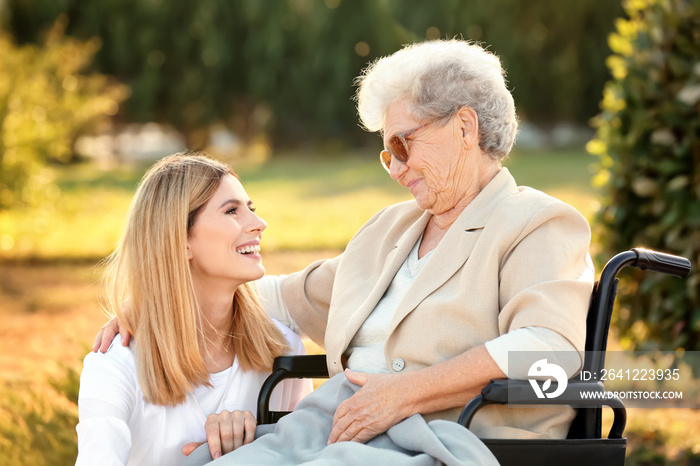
226,431
381,403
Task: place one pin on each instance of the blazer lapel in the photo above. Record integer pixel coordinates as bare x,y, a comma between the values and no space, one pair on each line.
395,258
456,246
453,251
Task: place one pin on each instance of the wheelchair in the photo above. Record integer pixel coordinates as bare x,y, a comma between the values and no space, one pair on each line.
584,444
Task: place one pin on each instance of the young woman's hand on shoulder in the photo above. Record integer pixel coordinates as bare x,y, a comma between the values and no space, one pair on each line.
107,333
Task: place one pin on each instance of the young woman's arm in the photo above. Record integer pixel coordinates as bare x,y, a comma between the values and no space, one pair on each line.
108,395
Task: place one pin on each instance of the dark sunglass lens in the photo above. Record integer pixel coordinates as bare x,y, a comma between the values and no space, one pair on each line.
398,147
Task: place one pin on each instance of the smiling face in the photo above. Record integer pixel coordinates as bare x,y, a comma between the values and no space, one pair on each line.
224,242
434,162
442,169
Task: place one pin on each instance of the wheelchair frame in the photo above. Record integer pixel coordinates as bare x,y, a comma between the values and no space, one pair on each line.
584,444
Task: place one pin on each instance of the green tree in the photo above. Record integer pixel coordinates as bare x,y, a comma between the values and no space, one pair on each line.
648,141
286,67
278,66
45,103
553,51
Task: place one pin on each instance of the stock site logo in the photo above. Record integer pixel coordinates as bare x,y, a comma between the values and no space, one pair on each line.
542,369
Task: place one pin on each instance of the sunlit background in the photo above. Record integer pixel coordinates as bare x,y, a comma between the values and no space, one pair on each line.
92,92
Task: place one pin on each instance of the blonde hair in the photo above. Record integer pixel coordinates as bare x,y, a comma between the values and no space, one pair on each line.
150,271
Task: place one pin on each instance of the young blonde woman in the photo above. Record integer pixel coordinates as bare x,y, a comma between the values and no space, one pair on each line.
202,346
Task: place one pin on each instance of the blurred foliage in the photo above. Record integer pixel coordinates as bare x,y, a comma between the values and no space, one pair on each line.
37,422
286,67
651,448
45,102
648,141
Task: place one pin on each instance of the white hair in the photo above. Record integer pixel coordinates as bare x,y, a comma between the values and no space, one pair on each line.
438,78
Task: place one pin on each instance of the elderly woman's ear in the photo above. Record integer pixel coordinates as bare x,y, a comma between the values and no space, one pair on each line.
470,126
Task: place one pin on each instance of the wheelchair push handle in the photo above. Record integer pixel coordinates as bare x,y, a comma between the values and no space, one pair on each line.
661,262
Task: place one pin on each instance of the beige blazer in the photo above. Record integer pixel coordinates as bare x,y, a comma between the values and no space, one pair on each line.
514,258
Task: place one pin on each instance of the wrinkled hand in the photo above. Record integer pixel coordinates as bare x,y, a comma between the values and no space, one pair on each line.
226,431
380,404
108,332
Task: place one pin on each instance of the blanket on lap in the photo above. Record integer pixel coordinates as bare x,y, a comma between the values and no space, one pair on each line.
300,438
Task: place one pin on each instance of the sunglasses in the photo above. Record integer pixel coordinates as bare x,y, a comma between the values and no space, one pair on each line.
398,146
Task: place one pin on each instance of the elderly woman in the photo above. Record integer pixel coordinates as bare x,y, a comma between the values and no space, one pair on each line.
430,295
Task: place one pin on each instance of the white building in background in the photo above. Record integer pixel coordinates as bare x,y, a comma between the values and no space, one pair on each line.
561,135
134,143
149,142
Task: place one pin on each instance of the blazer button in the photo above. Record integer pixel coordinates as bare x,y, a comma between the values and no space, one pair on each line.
398,364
